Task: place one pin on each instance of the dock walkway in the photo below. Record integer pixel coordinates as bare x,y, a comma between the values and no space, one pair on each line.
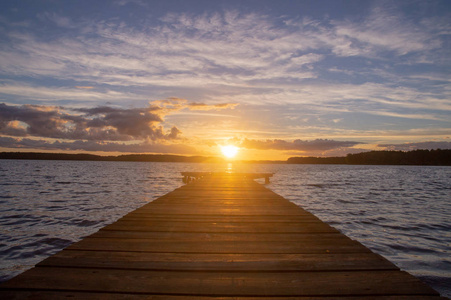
221,237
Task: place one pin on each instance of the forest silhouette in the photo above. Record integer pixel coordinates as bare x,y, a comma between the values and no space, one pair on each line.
436,157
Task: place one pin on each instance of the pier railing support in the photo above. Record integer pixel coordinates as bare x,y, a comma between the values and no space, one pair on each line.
191,176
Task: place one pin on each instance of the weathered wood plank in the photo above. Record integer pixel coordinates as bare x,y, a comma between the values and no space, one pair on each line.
218,262
221,227
220,218
221,203
213,236
140,245
223,283
226,211
57,295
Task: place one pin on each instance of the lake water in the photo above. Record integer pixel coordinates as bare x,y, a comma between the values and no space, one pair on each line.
400,212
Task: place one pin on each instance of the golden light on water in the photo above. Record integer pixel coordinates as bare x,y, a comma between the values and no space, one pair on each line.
229,151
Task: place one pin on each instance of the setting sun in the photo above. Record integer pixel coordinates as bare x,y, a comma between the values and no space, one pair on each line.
229,151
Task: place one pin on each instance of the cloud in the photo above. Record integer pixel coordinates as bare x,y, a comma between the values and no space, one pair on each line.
201,49
383,30
206,46
13,128
176,104
59,20
415,146
101,123
94,146
297,145
247,53
418,116
27,91
84,87
126,2
203,106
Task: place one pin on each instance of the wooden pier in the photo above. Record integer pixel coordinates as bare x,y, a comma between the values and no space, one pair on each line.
220,237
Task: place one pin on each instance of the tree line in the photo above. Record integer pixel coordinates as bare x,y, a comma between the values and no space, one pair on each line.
436,157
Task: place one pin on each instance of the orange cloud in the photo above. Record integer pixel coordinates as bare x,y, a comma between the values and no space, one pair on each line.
203,106
173,104
84,87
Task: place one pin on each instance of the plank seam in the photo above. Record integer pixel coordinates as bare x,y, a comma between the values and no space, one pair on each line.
224,295
217,270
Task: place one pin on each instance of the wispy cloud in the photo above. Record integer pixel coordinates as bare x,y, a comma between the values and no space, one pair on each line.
84,87
203,106
202,51
137,2
299,145
49,93
418,116
57,19
382,31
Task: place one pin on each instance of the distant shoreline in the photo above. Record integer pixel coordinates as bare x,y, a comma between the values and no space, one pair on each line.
416,157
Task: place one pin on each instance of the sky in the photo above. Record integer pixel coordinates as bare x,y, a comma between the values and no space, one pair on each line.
275,78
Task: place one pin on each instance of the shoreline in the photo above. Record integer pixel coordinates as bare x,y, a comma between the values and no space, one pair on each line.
436,157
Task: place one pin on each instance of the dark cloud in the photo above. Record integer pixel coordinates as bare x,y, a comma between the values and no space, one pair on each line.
101,123
416,146
136,123
13,128
104,128
25,143
297,145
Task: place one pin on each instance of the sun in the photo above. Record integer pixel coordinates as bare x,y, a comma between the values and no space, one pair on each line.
229,151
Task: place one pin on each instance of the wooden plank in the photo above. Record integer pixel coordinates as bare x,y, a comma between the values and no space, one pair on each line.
226,211
220,205
57,295
140,245
220,218
213,236
220,202
222,227
221,192
282,226
223,283
218,262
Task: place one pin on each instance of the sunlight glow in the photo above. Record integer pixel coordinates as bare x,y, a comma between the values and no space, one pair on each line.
229,151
